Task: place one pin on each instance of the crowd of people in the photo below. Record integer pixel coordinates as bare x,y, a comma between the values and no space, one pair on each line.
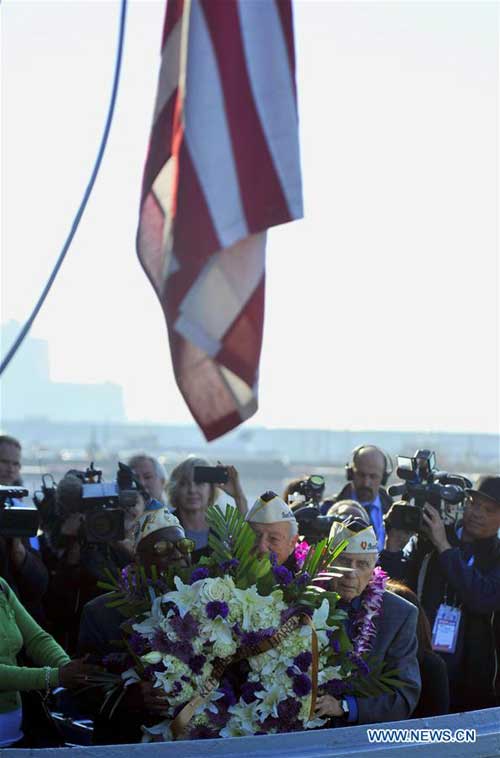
434,595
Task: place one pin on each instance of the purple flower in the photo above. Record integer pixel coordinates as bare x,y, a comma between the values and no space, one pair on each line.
288,709
229,698
291,671
183,650
161,642
334,643
218,720
254,638
287,614
227,566
283,575
273,559
199,573
138,643
196,663
303,660
335,687
185,628
360,663
302,579
302,685
248,691
217,608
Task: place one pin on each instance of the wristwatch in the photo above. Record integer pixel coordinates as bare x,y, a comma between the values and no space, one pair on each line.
345,707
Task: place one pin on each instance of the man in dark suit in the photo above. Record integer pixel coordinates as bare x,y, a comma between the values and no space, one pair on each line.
394,642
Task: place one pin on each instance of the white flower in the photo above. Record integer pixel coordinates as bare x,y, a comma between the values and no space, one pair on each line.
327,673
217,630
186,596
130,677
223,649
320,615
242,722
269,701
254,607
152,658
152,621
221,589
163,729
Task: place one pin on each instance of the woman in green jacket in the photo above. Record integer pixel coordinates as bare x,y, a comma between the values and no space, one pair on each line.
54,668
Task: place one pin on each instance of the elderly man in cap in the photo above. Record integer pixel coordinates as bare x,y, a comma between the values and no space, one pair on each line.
456,574
159,541
361,592
275,527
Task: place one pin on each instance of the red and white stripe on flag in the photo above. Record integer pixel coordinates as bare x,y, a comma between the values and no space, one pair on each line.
222,167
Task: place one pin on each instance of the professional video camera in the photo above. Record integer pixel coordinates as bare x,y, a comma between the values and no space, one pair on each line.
311,488
46,502
312,525
424,483
16,520
103,505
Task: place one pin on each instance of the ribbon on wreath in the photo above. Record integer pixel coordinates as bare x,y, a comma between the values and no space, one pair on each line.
185,715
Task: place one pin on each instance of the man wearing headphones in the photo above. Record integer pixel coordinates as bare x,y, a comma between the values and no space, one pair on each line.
367,474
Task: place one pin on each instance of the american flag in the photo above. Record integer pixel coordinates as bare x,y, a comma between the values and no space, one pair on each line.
222,167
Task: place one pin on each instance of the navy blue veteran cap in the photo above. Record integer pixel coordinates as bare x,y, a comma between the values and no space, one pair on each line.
487,486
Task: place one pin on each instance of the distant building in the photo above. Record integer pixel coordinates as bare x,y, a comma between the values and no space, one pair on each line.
27,392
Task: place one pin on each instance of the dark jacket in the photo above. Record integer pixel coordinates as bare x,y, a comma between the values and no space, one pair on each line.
72,586
475,589
396,644
435,695
29,581
346,493
100,633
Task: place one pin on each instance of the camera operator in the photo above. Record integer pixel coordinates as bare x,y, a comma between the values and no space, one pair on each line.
367,475
20,565
456,575
151,475
79,562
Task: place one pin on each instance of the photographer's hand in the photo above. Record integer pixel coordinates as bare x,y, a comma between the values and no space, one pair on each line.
233,488
434,529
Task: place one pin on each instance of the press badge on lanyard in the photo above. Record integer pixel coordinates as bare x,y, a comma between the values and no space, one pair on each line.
445,629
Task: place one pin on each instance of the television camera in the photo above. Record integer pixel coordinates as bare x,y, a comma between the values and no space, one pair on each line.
17,520
102,505
424,483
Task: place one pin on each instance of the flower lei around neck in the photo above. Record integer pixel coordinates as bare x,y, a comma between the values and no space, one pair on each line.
363,626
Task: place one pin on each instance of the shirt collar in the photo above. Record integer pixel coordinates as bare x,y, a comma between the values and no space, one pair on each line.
376,503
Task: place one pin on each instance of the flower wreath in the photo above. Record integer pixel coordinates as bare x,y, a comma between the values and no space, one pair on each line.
241,646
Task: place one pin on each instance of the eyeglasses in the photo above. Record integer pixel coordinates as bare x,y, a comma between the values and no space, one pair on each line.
165,547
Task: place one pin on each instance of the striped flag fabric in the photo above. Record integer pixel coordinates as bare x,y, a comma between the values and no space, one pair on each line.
222,167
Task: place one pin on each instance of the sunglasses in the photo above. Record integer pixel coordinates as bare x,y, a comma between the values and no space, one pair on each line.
165,547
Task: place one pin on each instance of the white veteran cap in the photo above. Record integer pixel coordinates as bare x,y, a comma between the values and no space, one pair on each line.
364,541
268,509
152,521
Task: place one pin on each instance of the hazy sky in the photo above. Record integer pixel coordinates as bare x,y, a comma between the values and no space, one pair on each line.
382,304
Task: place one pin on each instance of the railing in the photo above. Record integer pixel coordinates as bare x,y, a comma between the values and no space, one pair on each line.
469,735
